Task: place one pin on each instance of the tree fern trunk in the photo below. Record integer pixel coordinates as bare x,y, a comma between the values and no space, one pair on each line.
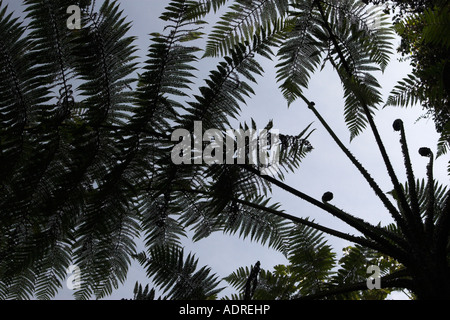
432,285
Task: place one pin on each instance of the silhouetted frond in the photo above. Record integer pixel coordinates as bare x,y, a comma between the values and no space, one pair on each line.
406,93
311,258
179,276
301,53
241,22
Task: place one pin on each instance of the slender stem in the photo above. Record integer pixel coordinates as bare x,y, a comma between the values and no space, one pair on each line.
416,230
409,172
339,234
429,223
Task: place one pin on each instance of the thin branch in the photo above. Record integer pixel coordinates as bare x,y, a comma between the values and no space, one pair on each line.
359,240
366,228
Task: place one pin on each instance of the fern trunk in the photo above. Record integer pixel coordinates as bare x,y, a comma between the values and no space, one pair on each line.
431,279
432,285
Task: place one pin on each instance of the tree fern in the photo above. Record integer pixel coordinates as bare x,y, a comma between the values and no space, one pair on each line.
185,190
182,190
359,45
88,165
370,25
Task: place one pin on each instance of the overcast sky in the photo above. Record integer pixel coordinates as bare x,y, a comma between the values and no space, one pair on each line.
325,169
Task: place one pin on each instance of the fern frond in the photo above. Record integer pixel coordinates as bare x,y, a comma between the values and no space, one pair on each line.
368,23
105,242
20,92
346,22
238,278
227,86
28,239
360,88
102,44
355,91
107,225
158,220
220,99
294,148
243,20
406,93
423,196
444,141
300,54
437,26
256,225
198,9
168,76
311,258
178,276
353,270
52,271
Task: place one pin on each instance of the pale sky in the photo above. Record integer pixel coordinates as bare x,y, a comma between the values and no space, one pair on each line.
324,169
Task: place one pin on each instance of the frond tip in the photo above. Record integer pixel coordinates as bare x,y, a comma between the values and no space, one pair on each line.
327,196
425,152
397,125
